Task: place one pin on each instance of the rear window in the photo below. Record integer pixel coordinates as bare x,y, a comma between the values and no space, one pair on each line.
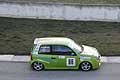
44,49
36,47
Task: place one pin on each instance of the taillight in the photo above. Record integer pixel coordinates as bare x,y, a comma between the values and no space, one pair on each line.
30,56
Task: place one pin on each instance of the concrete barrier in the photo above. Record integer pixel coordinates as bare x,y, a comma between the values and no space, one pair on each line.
60,11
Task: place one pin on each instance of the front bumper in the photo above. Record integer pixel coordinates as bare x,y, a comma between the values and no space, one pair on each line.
96,63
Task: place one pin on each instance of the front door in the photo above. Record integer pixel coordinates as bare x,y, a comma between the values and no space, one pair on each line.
66,58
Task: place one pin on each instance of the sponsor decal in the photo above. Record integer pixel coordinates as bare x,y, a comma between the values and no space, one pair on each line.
61,57
83,58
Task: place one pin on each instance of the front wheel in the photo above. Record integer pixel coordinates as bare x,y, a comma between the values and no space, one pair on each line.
37,66
85,66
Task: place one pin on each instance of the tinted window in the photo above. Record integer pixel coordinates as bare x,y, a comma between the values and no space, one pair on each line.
44,49
61,50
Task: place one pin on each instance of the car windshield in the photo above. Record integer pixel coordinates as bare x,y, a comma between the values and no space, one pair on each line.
77,47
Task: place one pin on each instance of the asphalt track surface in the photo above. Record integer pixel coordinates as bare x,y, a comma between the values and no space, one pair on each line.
22,71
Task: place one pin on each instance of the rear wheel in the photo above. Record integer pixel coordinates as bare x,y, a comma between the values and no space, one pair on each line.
37,66
85,66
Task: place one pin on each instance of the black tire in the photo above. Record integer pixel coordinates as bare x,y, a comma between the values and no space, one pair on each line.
37,66
85,66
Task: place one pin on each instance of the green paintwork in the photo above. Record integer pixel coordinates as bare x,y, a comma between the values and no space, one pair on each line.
61,61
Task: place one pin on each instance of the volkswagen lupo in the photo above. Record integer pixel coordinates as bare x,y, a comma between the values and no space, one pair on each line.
63,53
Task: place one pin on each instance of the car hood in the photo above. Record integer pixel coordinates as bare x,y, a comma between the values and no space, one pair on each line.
90,51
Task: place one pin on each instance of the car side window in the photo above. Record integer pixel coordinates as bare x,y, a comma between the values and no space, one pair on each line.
62,50
44,49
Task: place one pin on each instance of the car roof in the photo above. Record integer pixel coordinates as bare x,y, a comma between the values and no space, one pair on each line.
53,40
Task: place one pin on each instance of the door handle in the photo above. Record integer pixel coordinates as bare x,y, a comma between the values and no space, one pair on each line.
53,58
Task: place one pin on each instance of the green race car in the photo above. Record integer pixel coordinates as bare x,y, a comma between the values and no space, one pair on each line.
63,53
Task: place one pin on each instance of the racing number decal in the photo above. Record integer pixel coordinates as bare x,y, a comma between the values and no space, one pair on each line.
70,62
